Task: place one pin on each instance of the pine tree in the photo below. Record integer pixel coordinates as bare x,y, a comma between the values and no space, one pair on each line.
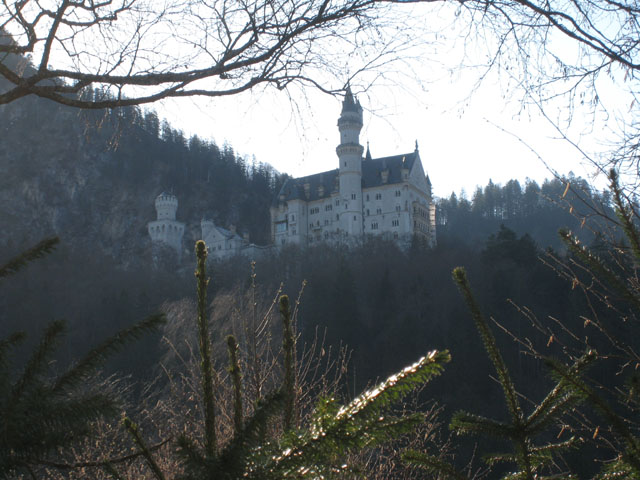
315,450
42,412
611,410
530,458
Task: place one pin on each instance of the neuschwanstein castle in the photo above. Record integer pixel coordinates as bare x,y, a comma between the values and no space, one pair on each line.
388,196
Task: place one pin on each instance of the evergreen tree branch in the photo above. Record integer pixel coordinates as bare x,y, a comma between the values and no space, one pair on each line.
560,398
6,344
36,252
632,454
244,455
598,269
624,212
37,361
464,422
288,344
336,430
433,465
234,371
133,430
92,360
206,368
460,277
193,461
398,385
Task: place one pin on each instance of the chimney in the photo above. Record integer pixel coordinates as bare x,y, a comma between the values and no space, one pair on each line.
232,229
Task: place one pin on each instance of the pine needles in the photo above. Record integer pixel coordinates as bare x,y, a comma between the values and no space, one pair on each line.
259,449
43,412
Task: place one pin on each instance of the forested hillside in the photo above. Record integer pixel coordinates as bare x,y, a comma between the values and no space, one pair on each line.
91,178
533,209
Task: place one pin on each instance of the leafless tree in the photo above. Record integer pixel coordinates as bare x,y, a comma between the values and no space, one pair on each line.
110,53
563,57
575,61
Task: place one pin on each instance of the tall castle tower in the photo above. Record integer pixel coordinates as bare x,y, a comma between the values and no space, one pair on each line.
166,229
350,169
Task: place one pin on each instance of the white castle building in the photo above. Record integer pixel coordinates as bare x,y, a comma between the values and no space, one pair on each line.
166,229
225,243
389,196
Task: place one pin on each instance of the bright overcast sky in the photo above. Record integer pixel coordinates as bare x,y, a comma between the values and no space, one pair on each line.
466,135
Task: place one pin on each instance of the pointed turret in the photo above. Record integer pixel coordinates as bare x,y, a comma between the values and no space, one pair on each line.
350,103
350,165
368,154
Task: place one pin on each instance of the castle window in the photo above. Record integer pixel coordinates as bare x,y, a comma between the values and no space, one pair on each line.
353,196
355,218
374,226
326,222
345,206
379,211
368,212
398,193
293,217
337,217
337,203
395,223
345,163
398,208
326,234
328,208
378,196
367,197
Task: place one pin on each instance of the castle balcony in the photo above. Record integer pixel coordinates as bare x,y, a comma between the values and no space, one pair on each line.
354,148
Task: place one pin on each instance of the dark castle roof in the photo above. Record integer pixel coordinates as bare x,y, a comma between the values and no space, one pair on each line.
350,104
372,169
294,188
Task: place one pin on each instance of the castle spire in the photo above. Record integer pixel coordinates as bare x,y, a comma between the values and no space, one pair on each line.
350,165
350,103
416,145
368,155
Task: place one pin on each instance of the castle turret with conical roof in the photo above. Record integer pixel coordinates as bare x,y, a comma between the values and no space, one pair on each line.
350,166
